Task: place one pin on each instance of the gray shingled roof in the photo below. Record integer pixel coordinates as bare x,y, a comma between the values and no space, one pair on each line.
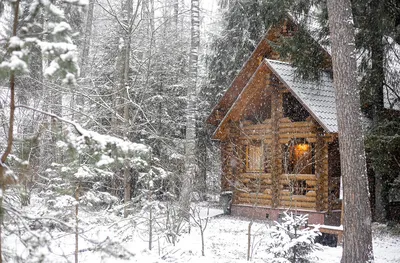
318,97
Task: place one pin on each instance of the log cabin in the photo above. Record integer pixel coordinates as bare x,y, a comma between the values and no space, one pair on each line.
278,138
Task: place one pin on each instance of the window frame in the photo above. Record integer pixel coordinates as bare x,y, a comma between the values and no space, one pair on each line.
290,164
251,146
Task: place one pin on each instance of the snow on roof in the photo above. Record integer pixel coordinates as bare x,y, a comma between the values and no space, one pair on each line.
318,97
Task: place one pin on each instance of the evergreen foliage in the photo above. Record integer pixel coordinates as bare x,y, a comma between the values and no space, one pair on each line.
53,39
244,23
291,240
383,148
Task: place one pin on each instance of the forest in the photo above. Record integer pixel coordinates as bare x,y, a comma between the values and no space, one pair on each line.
116,117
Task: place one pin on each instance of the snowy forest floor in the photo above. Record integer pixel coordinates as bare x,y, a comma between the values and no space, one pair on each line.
107,237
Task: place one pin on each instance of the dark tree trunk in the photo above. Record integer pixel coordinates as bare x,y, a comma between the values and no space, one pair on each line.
357,245
201,149
376,84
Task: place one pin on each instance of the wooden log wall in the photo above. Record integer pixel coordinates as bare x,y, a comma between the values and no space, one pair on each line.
288,199
254,188
231,162
226,176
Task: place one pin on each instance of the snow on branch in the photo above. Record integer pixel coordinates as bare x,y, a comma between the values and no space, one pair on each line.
101,139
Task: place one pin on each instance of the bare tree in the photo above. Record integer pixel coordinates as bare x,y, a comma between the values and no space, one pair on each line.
201,222
190,145
357,214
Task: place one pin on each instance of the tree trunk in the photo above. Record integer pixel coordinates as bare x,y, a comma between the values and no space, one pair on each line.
87,38
190,144
10,138
77,223
376,85
124,88
78,98
201,149
357,245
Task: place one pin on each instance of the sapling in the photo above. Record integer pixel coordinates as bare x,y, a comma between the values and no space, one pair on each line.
201,223
291,240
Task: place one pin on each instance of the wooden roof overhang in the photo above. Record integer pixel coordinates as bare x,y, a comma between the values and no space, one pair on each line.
255,92
263,50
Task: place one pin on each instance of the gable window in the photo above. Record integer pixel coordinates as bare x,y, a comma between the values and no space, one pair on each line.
298,157
254,157
293,109
260,111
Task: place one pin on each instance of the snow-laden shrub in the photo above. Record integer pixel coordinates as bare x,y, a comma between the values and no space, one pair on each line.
90,163
291,240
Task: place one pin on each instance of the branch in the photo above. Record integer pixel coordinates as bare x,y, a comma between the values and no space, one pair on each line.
77,127
394,92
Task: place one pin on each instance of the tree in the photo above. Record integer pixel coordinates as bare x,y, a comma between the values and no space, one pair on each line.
7,151
244,23
357,214
190,144
291,240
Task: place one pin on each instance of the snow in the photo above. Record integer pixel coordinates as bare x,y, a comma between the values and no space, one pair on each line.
105,160
78,2
15,62
107,237
16,43
50,70
61,28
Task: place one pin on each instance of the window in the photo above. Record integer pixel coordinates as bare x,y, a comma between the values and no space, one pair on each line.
299,187
259,110
296,186
293,109
254,157
298,157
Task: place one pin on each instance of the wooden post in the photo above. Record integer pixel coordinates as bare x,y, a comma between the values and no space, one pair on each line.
276,151
319,169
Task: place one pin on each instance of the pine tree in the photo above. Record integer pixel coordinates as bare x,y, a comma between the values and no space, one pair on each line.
357,214
377,21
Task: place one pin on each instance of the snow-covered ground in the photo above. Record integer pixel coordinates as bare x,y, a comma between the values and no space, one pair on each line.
106,237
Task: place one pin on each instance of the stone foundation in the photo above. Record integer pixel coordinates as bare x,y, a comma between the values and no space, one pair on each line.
261,213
